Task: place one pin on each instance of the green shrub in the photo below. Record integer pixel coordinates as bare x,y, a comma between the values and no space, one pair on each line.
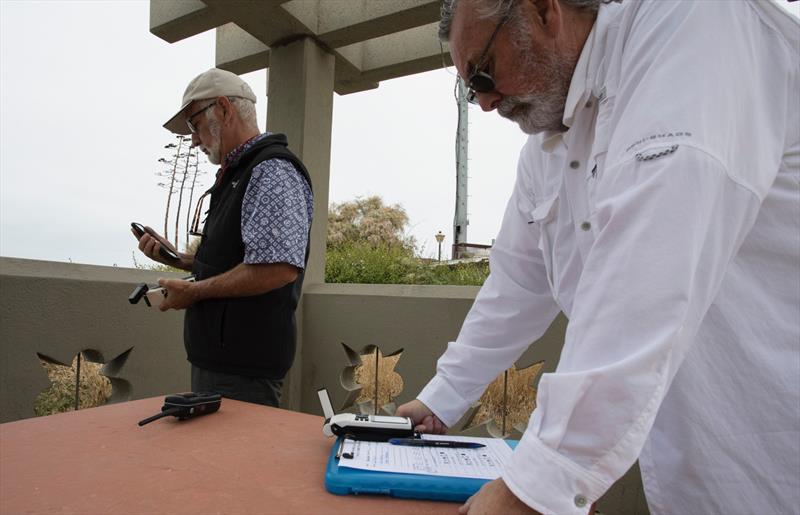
364,264
465,274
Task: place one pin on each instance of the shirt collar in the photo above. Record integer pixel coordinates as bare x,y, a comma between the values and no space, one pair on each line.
234,155
586,79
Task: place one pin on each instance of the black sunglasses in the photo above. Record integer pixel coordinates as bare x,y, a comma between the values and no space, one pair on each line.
479,81
192,126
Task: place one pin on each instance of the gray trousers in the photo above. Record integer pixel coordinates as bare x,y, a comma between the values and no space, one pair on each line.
258,390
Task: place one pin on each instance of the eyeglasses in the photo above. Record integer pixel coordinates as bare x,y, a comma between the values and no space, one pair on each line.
479,81
192,126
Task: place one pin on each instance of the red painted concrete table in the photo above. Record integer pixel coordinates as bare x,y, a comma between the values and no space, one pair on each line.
244,459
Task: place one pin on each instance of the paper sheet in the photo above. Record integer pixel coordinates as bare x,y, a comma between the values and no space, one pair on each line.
484,463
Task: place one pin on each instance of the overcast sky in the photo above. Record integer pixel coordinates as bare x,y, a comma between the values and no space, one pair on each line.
85,88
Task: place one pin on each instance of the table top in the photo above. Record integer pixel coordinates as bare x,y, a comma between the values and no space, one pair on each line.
246,458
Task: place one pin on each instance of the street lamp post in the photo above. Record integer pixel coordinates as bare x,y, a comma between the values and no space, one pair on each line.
439,239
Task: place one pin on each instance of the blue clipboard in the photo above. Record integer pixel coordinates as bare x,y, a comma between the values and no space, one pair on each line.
345,481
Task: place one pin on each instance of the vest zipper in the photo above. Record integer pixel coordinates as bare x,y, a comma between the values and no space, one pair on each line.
222,324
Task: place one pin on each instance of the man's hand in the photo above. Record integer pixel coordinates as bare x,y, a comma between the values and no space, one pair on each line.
150,244
180,294
493,498
424,419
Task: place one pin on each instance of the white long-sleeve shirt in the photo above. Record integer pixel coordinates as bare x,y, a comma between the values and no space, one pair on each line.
665,223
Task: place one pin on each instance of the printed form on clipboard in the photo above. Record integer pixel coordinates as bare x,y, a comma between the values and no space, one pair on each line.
483,463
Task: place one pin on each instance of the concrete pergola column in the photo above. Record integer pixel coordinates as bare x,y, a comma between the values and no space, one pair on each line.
300,104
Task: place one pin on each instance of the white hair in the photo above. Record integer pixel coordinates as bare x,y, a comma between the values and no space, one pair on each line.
245,108
497,9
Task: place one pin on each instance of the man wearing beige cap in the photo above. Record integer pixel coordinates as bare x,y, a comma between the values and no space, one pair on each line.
239,329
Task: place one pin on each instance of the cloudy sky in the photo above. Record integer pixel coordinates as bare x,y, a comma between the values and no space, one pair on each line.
85,88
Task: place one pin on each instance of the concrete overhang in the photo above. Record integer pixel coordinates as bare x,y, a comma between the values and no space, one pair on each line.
371,40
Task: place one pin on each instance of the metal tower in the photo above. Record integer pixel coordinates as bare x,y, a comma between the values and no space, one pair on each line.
461,221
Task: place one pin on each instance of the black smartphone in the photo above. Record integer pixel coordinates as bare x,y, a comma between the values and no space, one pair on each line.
165,251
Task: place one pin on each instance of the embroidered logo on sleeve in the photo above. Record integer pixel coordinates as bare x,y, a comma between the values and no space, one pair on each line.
655,153
664,135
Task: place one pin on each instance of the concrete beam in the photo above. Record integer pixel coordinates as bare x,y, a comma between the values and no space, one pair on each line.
354,31
174,20
403,53
342,23
239,51
264,20
273,27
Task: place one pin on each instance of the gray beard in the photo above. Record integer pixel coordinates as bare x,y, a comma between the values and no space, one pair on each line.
540,111
213,155
534,113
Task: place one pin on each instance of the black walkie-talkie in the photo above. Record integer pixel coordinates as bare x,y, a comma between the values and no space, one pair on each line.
187,405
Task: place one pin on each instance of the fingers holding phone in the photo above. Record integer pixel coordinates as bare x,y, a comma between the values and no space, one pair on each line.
155,246
150,247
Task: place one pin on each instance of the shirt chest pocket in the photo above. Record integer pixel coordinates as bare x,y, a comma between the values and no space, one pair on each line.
602,137
543,216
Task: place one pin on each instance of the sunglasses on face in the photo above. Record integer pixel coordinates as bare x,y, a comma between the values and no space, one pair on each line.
479,80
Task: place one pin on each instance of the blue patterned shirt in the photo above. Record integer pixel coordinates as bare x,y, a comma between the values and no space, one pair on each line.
276,212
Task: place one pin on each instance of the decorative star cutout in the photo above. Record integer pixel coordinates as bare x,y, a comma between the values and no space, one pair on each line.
99,382
505,419
359,379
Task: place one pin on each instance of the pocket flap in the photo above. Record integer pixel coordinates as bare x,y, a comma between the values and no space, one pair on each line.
543,211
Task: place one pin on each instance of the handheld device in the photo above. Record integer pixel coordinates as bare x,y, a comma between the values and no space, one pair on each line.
152,295
187,405
362,427
165,251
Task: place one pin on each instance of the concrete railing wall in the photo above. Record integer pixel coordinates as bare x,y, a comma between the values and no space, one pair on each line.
418,319
59,309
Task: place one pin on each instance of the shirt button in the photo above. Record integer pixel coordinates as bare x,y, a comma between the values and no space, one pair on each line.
586,226
574,164
588,104
580,501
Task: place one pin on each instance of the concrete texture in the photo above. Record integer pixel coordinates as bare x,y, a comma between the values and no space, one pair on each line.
370,40
59,309
301,106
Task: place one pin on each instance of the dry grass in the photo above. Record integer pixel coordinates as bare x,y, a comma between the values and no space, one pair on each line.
520,394
95,389
390,384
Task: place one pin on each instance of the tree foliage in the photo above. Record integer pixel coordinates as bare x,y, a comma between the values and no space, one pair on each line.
367,244
368,221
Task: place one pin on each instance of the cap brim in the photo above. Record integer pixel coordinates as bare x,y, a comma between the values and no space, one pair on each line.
177,124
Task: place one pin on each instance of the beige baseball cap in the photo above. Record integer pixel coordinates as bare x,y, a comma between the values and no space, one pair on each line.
211,84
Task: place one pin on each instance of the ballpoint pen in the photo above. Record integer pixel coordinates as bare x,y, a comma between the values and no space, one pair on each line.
451,444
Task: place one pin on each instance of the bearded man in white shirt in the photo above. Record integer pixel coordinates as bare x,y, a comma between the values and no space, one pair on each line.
657,204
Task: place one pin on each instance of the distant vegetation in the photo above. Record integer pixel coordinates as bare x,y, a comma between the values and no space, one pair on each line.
367,244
